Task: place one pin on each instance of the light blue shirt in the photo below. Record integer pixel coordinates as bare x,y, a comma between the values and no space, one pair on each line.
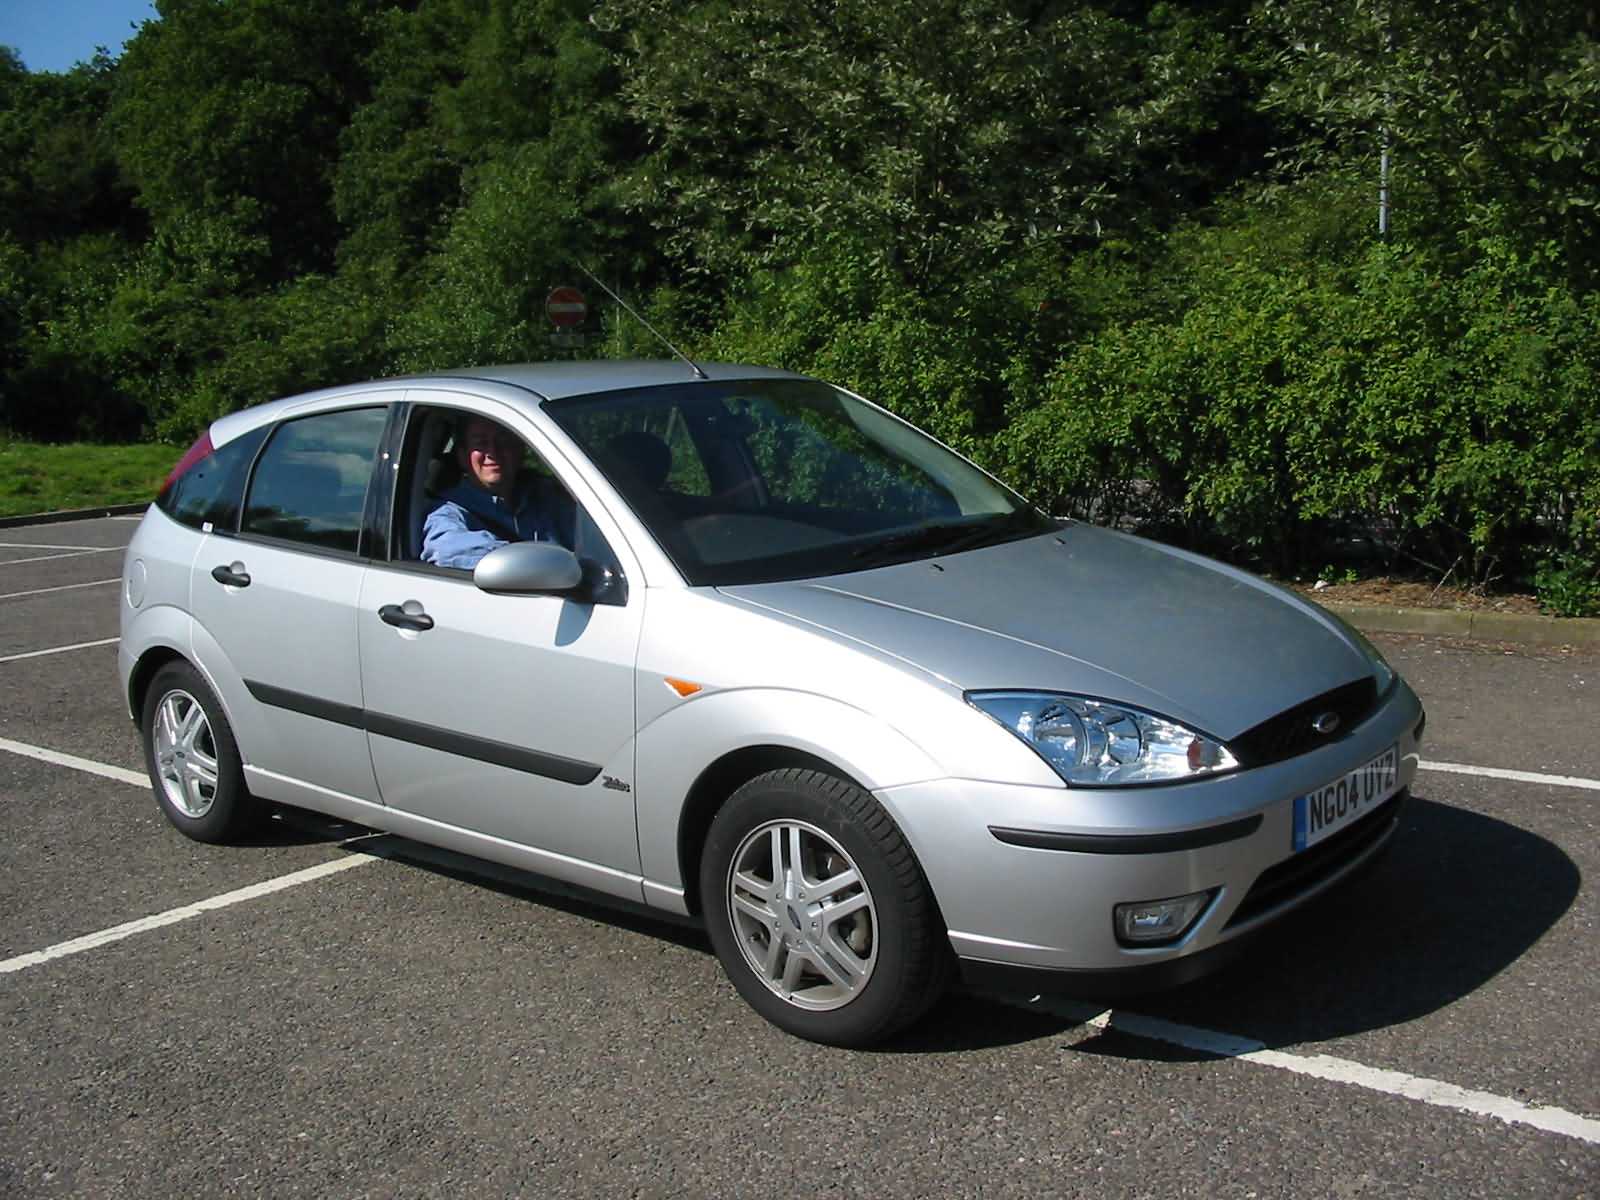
469,521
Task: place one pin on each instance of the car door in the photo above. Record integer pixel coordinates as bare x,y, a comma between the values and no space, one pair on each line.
508,716
275,605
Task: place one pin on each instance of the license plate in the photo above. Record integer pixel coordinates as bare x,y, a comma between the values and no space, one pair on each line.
1340,804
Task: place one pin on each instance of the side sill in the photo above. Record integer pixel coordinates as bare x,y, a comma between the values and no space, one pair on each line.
669,899
583,873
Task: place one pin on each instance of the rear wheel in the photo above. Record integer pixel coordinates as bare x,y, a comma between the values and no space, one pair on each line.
193,761
819,911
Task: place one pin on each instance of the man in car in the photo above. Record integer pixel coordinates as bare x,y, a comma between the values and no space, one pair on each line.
493,503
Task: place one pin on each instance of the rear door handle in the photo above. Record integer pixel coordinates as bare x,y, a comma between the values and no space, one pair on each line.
234,575
406,616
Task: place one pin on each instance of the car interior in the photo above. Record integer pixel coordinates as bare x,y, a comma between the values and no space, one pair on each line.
429,468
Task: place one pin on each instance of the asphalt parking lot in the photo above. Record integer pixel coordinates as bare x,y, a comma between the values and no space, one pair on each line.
323,1013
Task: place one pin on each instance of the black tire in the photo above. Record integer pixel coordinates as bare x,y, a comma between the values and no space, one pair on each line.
866,968
186,739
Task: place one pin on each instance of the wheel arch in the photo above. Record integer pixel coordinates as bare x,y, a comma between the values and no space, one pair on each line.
690,761
144,670
712,789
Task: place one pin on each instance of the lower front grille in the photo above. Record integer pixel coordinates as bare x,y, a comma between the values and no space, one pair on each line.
1303,872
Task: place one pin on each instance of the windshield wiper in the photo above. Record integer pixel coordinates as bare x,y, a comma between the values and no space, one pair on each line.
942,539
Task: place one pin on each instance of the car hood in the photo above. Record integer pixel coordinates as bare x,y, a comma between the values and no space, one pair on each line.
1090,611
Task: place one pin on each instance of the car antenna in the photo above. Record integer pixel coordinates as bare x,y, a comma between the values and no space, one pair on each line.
628,308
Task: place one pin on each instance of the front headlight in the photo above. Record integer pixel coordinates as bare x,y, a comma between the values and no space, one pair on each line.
1093,742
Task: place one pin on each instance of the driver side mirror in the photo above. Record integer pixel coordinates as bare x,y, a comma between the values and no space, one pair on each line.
528,567
545,568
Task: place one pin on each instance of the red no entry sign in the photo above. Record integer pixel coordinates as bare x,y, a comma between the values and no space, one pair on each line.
567,307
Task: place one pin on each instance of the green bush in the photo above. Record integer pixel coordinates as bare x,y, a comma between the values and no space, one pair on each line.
1453,412
1568,585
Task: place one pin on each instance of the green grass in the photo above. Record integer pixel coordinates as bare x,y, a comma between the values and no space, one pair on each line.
36,477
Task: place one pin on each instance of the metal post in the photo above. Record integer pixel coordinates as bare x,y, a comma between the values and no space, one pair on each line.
1383,130
1383,186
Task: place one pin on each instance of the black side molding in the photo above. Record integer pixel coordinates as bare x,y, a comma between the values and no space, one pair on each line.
310,706
1128,843
533,762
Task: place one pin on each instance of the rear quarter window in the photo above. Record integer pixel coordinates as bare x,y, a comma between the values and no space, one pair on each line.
211,491
310,484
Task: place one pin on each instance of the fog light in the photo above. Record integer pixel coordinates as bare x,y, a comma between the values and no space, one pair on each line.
1152,921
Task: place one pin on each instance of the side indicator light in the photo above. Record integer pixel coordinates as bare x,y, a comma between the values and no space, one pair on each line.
683,687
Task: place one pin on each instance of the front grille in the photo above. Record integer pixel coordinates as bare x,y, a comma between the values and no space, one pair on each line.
1291,732
1304,871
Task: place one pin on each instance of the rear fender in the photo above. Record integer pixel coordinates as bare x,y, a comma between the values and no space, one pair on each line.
160,631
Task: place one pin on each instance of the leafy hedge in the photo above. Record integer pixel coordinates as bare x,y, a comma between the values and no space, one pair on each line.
1450,410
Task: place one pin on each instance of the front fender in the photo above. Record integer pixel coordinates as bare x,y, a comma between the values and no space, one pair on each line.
678,746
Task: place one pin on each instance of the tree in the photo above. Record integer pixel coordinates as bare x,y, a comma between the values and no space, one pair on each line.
58,168
948,134
512,156
233,110
1492,114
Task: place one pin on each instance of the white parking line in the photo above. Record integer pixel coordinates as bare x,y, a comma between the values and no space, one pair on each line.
1339,1070
41,546
1572,781
57,758
174,915
17,562
64,587
59,649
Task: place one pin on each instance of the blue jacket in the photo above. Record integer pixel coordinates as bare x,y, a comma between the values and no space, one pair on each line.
469,521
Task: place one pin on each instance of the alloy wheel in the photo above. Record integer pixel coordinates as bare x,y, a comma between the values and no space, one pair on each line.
185,753
803,915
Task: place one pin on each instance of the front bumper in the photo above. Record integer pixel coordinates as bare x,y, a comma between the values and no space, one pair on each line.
1026,877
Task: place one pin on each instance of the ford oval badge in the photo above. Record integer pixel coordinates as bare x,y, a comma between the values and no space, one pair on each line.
1325,723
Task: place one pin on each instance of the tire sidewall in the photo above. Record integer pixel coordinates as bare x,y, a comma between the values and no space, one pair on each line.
767,799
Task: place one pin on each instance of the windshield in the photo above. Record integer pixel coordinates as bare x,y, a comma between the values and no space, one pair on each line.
753,481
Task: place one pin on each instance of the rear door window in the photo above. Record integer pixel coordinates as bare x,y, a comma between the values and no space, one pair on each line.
310,483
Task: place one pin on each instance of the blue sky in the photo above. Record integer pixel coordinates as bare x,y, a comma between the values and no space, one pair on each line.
52,35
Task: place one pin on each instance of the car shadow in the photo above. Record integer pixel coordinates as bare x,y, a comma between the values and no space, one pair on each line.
960,1022
537,889
1458,899
284,826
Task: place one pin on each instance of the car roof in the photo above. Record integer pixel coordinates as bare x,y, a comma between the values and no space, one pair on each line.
545,381
556,380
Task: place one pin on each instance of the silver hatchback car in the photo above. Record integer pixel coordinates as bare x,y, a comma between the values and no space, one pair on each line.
744,647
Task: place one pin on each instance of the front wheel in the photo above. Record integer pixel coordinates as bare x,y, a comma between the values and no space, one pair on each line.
819,911
193,761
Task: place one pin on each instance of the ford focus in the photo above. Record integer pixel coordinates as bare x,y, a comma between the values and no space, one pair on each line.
744,647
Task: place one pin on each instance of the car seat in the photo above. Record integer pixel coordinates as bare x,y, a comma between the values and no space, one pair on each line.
439,475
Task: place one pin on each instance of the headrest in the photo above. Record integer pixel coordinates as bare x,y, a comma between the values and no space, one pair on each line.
644,455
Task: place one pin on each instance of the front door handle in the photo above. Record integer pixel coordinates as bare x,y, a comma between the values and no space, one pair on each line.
406,616
234,575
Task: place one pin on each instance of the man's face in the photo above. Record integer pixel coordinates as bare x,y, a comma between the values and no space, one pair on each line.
491,454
